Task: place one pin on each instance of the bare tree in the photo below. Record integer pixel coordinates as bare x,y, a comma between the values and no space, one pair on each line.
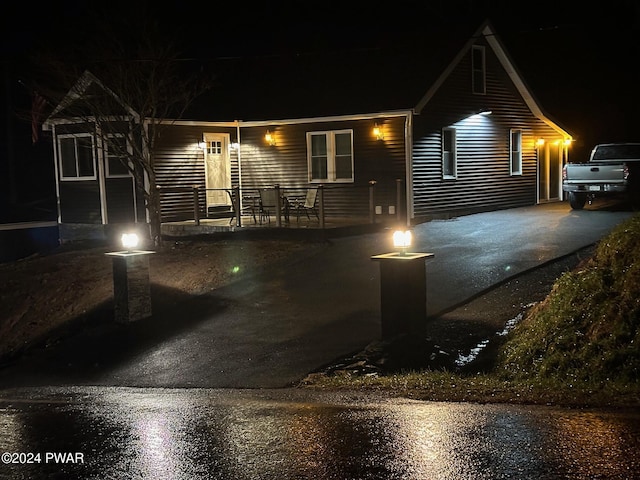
127,90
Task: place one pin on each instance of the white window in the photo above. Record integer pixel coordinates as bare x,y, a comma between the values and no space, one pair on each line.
449,158
76,157
117,154
330,156
478,70
515,152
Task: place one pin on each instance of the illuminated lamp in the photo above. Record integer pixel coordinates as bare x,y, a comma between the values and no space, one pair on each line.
402,240
270,138
129,241
377,132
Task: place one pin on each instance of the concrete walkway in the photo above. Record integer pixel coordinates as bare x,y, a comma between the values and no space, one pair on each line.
270,330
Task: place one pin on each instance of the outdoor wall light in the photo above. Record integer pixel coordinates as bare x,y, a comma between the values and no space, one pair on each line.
377,132
202,144
540,143
402,240
270,138
129,241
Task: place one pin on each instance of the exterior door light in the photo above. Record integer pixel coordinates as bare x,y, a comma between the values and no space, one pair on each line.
270,138
377,132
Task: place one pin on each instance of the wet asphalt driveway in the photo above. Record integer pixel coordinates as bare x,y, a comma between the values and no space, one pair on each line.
270,330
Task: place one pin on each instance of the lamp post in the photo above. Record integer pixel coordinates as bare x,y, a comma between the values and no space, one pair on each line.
403,289
131,289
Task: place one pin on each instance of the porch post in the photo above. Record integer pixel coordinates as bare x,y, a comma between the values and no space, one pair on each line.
398,198
321,205
372,206
236,205
278,206
196,206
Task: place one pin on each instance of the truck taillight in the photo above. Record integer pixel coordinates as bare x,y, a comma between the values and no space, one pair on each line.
564,173
625,171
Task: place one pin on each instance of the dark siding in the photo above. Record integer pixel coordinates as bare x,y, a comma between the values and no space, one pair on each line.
285,163
484,181
179,166
80,202
120,204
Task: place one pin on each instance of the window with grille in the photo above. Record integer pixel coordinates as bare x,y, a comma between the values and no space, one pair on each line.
76,157
330,156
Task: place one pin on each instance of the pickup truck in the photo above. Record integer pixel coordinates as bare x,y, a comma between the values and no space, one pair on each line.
612,169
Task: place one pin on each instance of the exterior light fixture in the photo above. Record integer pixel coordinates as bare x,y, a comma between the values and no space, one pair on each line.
377,132
478,115
129,241
402,240
202,144
540,142
270,138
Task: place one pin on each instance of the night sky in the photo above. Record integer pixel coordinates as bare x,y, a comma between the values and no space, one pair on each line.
579,59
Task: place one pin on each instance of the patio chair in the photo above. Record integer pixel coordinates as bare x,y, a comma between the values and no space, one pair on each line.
268,200
239,208
308,205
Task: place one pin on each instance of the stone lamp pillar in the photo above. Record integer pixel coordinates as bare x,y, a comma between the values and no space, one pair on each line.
131,288
403,293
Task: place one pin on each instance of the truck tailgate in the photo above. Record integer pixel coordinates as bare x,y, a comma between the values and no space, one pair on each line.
585,173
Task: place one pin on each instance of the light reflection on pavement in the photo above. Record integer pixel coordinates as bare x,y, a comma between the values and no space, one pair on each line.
159,434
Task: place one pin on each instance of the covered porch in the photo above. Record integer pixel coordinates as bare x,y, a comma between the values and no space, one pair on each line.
312,209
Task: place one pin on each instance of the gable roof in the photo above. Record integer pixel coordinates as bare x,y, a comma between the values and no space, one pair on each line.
81,101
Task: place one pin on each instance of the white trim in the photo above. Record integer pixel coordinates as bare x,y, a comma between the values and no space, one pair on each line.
330,136
506,63
27,225
101,174
76,92
239,157
129,148
454,153
289,121
512,172
493,41
408,140
56,171
77,178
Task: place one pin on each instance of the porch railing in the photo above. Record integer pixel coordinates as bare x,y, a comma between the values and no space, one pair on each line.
184,199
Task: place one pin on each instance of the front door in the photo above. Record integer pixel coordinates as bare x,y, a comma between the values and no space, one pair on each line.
217,169
550,172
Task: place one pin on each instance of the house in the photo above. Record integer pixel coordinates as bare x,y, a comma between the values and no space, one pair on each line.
442,126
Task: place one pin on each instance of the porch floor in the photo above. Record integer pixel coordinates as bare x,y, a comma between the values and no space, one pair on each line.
335,226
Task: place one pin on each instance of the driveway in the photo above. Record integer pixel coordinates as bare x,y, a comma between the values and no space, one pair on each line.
270,330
